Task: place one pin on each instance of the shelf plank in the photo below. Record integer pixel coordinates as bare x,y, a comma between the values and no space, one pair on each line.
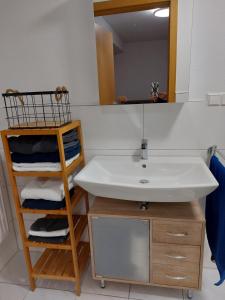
58,264
37,173
63,246
50,130
75,199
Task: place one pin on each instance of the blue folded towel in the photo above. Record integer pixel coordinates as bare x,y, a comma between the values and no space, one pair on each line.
44,157
215,218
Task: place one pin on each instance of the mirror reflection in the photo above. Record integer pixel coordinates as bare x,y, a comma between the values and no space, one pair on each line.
132,55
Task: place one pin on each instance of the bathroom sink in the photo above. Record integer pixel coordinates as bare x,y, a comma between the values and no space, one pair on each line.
158,179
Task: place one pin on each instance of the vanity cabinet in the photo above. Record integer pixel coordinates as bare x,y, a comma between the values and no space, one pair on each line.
161,246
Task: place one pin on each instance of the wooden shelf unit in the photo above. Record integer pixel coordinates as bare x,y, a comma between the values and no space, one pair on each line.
63,261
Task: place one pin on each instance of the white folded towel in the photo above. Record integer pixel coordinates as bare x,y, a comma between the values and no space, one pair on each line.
51,189
42,166
62,232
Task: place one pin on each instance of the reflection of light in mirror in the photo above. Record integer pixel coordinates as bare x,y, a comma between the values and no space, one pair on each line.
162,12
152,10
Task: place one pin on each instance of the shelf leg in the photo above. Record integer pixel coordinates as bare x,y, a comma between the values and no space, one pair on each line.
77,289
69,215
102,283
86,203
29,266
189,293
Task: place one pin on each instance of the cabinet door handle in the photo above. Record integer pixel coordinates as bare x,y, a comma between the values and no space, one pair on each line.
183,234
176,256
176,277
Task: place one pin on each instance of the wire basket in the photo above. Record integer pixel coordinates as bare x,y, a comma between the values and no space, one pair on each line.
37,109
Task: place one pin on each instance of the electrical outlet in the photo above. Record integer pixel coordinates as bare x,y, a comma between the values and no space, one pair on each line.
214,99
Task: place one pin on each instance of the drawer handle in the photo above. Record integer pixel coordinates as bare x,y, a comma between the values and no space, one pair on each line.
176,256
177,234
176,277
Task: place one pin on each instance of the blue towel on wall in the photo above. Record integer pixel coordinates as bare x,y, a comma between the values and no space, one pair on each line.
215,218
44,157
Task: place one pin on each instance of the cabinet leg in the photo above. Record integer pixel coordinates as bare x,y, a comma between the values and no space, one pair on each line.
102,284
189,293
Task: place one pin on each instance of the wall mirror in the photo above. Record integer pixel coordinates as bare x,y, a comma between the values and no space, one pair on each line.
136,51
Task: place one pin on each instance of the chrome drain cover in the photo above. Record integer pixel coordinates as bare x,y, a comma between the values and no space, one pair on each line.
144,181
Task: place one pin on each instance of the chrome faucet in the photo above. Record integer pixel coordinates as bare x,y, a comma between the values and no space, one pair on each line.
144,149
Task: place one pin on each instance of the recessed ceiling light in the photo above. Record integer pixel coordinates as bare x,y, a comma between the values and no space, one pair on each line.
162,12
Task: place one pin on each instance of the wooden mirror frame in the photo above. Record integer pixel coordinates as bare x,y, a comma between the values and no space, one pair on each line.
122,6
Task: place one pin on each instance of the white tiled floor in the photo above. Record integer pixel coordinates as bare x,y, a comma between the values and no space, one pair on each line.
14,286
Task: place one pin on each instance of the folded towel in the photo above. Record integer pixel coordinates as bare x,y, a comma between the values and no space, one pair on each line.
215,218
44,157
42,166
62,232
70,136
73,144
50,227
29,144
51,240
51,189
45,204
50,224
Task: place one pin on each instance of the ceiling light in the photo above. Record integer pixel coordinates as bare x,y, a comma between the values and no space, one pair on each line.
162,12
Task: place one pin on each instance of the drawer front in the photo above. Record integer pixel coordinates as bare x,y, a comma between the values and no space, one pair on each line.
175,276
185,233
176,255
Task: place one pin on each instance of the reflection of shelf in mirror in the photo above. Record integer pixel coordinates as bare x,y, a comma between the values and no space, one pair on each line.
146,101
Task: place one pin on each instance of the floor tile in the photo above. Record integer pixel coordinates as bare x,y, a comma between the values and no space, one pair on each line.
12,292
209,290
15,271
56,285
46,294
156,293
112,289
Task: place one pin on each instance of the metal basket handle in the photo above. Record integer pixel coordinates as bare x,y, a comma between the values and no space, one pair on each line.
60,89
9,91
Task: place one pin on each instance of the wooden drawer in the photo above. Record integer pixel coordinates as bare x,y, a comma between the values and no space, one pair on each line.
176,255
185,233
176,276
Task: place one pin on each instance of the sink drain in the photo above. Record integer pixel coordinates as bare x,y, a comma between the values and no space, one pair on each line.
144,181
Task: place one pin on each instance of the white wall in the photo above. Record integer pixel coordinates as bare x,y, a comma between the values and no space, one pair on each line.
8,247
172,129
138,65
47,43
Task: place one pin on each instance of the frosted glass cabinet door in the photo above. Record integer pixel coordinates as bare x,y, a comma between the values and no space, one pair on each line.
121,248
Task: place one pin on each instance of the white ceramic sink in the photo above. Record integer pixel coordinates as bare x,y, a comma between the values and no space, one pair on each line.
159,179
